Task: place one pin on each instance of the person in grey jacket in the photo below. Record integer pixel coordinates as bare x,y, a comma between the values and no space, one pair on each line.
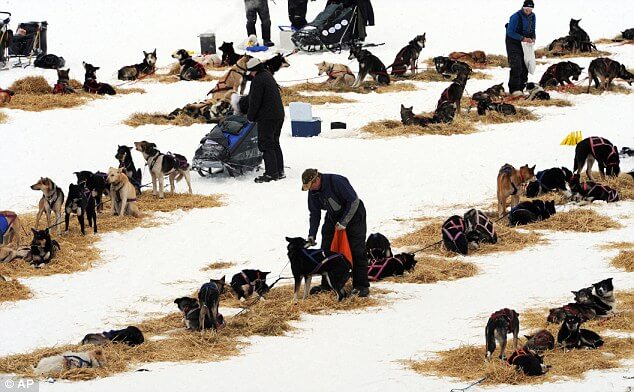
344,211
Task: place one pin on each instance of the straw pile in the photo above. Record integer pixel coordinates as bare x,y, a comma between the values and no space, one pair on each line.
12,290
583,89
175,344
582,220
219,265
544,52
430,75
393,128
624,183
182,120
3,117
436,269
131,90
366,87
78,252
31,85
290,94
551,102
497,60
618,39
492,117
625,258
467,363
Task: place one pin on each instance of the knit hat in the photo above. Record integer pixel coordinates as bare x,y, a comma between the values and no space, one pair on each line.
253,64
308,177
529,3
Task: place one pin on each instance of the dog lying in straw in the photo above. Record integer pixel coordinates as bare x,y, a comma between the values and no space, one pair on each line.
443,114
338,74
10,228
55,365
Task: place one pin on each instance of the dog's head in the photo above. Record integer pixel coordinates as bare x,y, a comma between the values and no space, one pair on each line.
145,147
323,67
583,296
355,52
567,174
573,69
226,47
91,70
116,175
40,237
532,189
62,75
220,283
419,40
278,59
295,244
408,260
97,357
440,62
242,62
542,340
123,152
185,304
604,288
149,57
479,56
406,113
94,338
574,24
181,54
83,176
44,184
572,323
626,75
527,173
75,192
556,315
498,89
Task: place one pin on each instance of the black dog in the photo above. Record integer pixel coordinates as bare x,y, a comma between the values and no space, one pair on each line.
146,67
80,202
191,313
377,246
582,39
308,262
604,291
407,57
248,281
560,73
549,180
444,66
485,104
190,68
586,297
500,324
558,315
600,149
124,156
590,191
536,92
628,34
368,64
479,228
606,70
275,63
132,336
444,114
229,55
391,266
43,248
95,183
563,45
63,83
531,211
531,363
209,300
571,336
90,82
453,93
454,235
494,93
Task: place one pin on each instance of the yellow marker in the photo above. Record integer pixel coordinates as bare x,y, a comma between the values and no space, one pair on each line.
571,139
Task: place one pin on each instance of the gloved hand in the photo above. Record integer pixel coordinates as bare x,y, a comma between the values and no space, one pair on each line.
310,242
339,227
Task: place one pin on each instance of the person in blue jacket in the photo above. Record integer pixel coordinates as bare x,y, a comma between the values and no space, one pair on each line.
520,28
344,211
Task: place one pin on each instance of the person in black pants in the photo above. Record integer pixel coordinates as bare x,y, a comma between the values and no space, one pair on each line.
344,211
521,28
261,8
297,13
267,110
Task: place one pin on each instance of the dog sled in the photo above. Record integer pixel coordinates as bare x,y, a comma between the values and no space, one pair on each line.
231,147
334,29
28,41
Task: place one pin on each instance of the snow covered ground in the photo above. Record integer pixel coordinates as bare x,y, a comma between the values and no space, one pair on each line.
145,269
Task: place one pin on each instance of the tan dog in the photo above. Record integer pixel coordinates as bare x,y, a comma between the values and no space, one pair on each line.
510,181
232,80
5,96
57,364
52,201
123,193
338,74
10,228
475,57
9,253
174,166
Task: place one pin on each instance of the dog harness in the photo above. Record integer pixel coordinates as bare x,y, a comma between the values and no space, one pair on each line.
249,282
116,194
332,74
222,84
508,169
201,69
311,256
61,88
71,361
508,314
483,223
456,225
596,141
92,86
6,220
544,339
517,354
589,187
379,265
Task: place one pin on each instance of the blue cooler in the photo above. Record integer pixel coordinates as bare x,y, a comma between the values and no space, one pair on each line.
306,128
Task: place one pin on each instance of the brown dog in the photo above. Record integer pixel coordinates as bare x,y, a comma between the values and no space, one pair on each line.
475,57
10,228
52,201
123,193
338,74
510,181
5,96
232,80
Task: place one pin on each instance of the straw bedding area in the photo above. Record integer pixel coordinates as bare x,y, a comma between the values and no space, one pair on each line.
544,52
394,128
12,290
618,39
617,88
182,120
270,317
78,252
624,183
624,260
365,88
290,94
538,103
584,220
436,269
467,363
430,75
219,265
3,117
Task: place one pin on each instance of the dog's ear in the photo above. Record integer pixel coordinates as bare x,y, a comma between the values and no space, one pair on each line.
424,34
145,53
46,231
151,145
288,239
266,273
33,230
575,293
222,280
528,337
154,52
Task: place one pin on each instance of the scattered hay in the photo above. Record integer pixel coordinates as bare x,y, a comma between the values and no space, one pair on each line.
3,117
173,78
624,260
131,90
624,183
618,245
544,52
493,117
509,239
430,75
175,344
497,60
394,128
618,39
435,269
12,290
76,84
551,102
78,252
182,120
218,265
289,94
31,85
366,87
42,102
583,89
467,363
584,220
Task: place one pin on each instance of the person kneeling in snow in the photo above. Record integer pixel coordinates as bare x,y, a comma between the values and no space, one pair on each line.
344,211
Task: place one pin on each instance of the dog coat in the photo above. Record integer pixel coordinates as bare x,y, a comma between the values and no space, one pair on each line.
545,339
453,235
481,224
613,194
508,314
378,265
596,141
517,354
5,223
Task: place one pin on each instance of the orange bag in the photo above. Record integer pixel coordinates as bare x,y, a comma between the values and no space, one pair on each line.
341,245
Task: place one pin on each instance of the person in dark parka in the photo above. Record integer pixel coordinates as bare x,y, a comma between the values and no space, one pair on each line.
344,211
521,28
267,110
261,8
297,13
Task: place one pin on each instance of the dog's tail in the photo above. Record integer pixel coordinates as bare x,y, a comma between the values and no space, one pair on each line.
204,312
489,336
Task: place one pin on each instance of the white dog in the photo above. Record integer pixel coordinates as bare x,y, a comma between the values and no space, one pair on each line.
69,360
